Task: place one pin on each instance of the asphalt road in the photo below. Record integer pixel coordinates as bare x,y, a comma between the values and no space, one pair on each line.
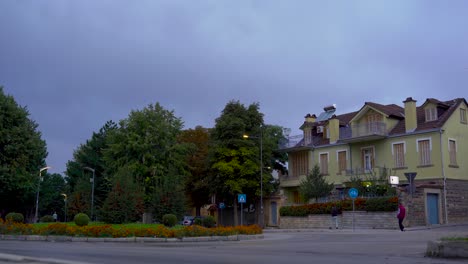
318,246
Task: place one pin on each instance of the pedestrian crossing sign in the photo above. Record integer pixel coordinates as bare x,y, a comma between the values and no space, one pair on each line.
241,198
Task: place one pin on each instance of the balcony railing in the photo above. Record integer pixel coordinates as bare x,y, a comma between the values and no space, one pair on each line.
292,141
372,129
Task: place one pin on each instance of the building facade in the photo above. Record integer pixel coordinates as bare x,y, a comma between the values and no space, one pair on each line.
426,146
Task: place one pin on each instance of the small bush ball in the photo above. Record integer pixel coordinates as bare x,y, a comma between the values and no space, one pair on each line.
47,219
15,217
81,219
169,220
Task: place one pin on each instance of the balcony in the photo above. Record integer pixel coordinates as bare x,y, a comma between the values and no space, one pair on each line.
290,181
291,142
363,132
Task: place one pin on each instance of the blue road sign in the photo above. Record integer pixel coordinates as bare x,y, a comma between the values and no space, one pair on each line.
353,193
241,198
222,206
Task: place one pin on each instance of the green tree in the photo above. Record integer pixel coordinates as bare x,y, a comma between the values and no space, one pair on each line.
52,187
22,153
197,183
124,203
235,161
146,144
314,185
90,155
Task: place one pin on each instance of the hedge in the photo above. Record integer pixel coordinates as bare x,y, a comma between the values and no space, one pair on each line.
384,204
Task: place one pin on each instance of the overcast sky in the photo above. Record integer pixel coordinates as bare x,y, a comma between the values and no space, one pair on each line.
77,64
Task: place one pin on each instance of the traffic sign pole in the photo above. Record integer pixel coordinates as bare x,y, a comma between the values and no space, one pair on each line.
353,193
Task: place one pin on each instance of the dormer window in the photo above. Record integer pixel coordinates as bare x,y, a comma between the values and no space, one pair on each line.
431,114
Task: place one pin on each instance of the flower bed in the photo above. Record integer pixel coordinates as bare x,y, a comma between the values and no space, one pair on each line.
63,229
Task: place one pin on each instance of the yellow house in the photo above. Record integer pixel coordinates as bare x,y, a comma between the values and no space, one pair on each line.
426,146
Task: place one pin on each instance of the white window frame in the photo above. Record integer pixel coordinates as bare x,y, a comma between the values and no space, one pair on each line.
346,156
373,153
404,149
430,149
399,142
422,139
431,114
463,121
341,150
328,161
448,144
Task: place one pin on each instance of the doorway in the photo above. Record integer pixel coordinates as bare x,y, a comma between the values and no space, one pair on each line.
274,215
433,208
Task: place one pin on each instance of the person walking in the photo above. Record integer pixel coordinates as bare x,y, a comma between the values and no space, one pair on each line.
401,216
334,217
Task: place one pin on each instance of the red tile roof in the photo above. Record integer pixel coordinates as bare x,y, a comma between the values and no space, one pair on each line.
395,111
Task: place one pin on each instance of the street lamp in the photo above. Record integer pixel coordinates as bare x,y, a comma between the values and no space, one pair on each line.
65,211
92,191
262,217
38,189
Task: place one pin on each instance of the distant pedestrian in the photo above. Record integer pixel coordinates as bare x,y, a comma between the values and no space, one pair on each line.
401,216
55,216
334,217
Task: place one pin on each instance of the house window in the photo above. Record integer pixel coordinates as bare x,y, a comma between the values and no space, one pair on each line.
324,163
367,158
398,151
341,154
373,123
431,114
424,150
452,147
299,163
463,116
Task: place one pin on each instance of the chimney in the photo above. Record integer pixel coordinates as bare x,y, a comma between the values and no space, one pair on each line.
411,119
334,127
310,118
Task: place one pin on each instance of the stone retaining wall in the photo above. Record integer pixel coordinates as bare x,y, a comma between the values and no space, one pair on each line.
362,220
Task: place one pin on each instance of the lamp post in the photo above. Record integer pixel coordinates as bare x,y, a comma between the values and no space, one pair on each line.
65,211
262,217
92,192
37,193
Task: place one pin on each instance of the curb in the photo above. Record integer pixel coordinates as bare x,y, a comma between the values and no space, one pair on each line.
447,249
130,239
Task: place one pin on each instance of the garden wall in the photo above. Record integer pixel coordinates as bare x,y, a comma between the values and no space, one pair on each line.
362,220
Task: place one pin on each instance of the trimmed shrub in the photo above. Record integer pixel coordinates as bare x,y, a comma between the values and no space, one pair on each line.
15,217
198,221
383,204
169,220
47,219
209,221
81,219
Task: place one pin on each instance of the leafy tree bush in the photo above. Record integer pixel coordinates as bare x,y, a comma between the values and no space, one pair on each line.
198,221
124,203
15,217
22,153
209,221
169,220
81,219
47,219
315,185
